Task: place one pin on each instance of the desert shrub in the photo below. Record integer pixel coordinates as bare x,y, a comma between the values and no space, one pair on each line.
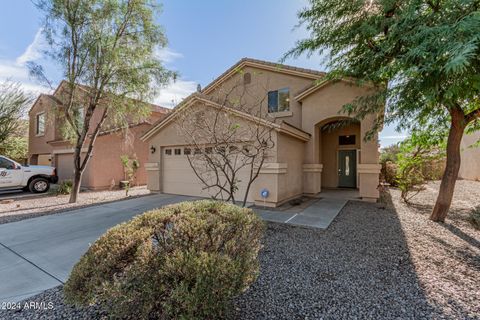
474,217
64,187
417,153
389,173
183,261
388,159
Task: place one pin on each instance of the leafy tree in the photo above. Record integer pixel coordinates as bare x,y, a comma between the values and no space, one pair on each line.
424,56
13,102
416,153
106,49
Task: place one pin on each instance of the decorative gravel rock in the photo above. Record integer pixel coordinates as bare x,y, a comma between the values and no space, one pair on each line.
373,262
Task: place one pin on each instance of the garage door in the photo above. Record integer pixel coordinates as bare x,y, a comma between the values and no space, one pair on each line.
44,160
179,178
64,166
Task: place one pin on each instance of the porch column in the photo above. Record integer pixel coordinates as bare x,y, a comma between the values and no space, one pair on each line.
269,178
153,176
312,178
368,168
369,179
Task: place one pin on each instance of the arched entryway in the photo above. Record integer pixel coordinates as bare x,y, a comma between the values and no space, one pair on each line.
339,144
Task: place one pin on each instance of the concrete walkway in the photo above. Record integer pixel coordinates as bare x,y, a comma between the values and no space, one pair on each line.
318,215
39,253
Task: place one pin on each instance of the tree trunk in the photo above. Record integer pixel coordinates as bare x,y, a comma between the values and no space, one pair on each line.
77,180
77,174
450,175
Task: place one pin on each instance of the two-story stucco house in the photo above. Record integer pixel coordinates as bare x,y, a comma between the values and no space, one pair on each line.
47,145
306,157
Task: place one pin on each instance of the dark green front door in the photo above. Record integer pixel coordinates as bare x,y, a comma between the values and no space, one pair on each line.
347,168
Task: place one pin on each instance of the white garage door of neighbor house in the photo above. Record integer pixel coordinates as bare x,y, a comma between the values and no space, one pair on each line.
178,177
64,166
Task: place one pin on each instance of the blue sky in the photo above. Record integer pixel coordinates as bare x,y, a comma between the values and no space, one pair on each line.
205,38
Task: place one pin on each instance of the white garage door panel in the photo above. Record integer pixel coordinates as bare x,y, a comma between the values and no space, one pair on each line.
179,178
65,166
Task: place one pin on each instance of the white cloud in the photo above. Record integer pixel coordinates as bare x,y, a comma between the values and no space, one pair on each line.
16,70
167,55
34,50
175,92
394,137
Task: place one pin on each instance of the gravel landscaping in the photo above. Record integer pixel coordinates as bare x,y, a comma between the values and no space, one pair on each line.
375,261
21,209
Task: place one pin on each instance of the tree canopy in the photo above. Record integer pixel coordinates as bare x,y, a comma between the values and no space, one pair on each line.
107,50
426,51
13,103
423,55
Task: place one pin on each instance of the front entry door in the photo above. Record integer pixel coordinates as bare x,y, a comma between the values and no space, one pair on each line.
347,168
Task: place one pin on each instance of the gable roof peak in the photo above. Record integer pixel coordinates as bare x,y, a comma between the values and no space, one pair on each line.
266,65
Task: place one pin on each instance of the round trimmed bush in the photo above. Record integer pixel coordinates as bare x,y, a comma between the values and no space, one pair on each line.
183,261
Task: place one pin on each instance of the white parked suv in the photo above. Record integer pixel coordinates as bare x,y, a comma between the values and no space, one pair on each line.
36,179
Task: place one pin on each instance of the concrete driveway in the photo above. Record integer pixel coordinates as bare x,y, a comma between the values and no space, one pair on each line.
39,253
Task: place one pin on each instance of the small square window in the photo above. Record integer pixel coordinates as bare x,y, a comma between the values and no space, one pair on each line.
346,140
279,100
208,150
168,152
178,152
187,151
197,151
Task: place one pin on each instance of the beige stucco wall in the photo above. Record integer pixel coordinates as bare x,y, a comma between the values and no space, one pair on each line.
172,137
255,93
291,152
470,165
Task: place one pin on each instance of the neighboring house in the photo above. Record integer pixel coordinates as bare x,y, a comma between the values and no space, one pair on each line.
470,165
47,145
305,159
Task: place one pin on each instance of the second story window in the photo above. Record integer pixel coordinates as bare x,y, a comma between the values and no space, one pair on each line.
279,100
40,124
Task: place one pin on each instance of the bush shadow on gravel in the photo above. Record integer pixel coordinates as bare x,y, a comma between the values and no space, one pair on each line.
360,267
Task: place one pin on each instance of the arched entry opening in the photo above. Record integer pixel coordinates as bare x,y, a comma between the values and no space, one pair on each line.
339,144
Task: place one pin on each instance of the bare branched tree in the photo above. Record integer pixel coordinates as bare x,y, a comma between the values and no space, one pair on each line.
228,137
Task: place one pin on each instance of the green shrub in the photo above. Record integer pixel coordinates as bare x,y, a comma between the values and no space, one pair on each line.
65,187
183,261
419,160
475,217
